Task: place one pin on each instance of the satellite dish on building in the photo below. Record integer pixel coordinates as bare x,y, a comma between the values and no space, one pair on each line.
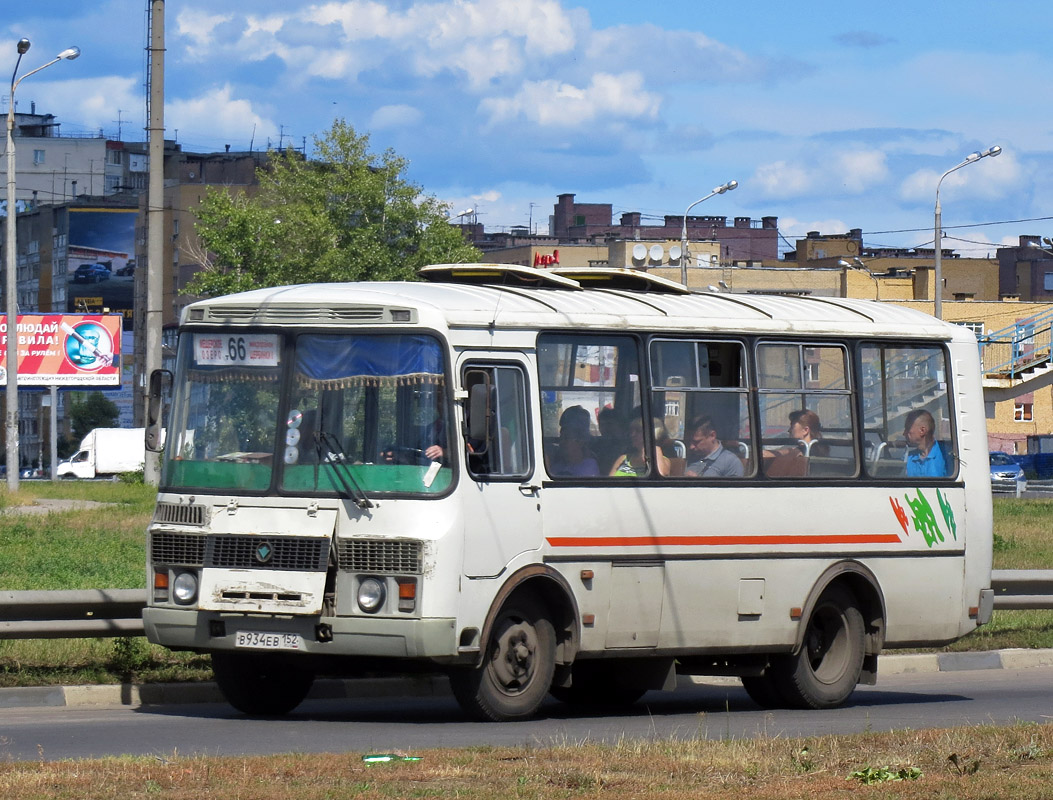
639,252
674,253
656,252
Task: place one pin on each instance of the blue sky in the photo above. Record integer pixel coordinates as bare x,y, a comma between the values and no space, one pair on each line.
831,115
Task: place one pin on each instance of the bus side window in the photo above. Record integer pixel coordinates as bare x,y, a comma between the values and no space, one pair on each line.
902,385
497,446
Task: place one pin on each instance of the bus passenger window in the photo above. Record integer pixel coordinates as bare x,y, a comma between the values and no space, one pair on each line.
590,395
906,412
806,411
700,387
503,450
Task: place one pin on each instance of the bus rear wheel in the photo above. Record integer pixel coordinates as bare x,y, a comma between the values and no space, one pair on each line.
517,669
261,684
825,671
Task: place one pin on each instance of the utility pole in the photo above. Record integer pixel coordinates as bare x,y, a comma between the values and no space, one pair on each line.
155,218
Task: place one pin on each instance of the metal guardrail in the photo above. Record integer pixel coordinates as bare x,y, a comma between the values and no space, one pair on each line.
118,612
1022,588
72,614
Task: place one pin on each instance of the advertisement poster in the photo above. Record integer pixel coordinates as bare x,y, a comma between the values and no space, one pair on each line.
101,261
65,350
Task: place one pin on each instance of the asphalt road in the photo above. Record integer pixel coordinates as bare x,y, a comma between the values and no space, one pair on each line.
915,701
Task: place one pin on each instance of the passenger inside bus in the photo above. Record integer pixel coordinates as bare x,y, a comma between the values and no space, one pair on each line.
634,462
573,459
925,458
611,442
707,456
792,461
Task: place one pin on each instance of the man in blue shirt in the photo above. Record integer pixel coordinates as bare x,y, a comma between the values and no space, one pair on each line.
925,459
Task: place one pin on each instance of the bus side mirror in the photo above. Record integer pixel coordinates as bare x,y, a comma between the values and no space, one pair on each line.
155,409
479,415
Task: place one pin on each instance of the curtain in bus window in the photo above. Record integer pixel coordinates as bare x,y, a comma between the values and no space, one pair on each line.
906,412
806,411
347,360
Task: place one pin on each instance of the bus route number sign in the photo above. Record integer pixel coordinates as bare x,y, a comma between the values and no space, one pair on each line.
241,349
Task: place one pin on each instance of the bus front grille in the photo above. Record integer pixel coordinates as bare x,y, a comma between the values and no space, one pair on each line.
381,556
177,549
295,553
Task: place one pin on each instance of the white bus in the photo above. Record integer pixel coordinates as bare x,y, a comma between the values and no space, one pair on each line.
511,476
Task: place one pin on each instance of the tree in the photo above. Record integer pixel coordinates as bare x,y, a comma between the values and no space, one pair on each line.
350,214
94,411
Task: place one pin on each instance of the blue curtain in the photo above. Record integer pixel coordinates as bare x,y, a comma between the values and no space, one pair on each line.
368,360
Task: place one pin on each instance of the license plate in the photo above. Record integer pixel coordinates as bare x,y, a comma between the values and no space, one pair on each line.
267,641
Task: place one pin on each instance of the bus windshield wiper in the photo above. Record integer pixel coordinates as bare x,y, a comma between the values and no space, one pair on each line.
338,458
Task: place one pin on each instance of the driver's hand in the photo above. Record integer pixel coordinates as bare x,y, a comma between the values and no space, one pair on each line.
434,453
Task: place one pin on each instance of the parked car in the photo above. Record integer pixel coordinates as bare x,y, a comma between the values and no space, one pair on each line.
1006,472
91,273
126,270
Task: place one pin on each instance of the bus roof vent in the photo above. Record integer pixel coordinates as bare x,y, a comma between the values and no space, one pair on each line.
621,278
317,315
497,275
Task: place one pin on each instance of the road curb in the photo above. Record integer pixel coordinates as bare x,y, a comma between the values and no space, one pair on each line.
165,694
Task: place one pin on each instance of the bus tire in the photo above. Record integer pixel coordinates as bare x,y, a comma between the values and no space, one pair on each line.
763,690
825,671
516,672
260,684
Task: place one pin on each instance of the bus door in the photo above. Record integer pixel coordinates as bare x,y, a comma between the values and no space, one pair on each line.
502,506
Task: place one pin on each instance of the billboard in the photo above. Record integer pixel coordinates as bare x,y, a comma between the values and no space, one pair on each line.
65,350
101,261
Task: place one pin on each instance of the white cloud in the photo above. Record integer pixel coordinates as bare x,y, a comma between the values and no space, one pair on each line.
860,169
395,116
990,179
198,26
482,40
551,103
793,228
218,112
780,180
93,102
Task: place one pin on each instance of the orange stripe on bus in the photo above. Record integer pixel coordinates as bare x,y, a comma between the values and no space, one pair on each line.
685,541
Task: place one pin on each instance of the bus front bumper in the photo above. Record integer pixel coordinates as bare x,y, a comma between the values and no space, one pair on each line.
342,636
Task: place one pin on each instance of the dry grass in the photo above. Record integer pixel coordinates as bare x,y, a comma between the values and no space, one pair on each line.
991,762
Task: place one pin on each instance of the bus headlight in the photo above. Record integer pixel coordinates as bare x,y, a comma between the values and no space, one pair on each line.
184,588
371,594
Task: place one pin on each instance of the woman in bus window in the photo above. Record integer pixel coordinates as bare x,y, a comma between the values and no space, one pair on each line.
634,462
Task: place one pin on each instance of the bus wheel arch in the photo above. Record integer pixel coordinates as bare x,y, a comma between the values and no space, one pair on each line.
862,583
529,634
837,642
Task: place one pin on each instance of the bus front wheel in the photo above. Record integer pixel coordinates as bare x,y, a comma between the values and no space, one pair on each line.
517,669
260,684
826,669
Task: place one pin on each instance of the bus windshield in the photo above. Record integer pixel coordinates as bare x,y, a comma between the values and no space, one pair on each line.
353,414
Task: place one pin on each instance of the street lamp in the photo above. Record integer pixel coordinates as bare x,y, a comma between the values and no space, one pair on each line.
969,159
11,393
727,187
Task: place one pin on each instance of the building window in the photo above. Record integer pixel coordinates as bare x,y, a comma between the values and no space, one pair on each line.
1022,412
976,327
38,156
1047,281
113,183
113,157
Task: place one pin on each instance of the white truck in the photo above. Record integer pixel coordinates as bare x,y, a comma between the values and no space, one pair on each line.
106,451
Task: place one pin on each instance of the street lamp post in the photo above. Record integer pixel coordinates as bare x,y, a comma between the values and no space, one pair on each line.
11,392
938,260
727,187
